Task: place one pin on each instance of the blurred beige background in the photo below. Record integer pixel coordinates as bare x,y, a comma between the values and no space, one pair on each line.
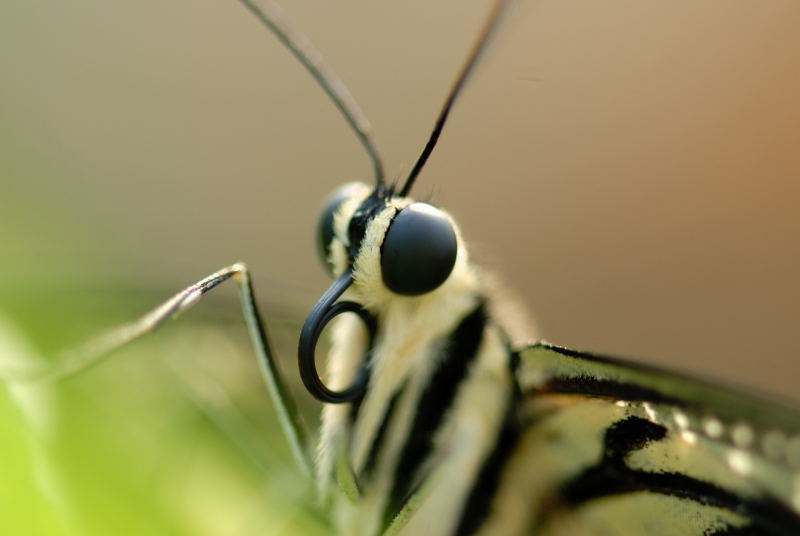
630,168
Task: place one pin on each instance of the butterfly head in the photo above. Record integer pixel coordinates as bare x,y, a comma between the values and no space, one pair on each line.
393,245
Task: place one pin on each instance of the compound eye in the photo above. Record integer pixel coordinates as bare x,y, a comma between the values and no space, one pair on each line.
325,222
419,250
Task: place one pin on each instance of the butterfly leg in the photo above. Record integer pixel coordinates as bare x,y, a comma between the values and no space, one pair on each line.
74,362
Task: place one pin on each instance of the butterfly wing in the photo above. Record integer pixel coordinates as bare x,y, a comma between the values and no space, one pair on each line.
612,447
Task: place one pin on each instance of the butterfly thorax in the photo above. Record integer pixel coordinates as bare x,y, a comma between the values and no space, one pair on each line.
440,387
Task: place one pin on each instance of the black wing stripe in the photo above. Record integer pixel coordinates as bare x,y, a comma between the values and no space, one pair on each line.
588,386
596,358
612,476
436,400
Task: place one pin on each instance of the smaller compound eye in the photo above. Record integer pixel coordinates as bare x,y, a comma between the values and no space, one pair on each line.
419,250
325,222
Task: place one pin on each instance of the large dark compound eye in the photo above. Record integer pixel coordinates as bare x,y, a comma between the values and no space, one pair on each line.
325,222
419,250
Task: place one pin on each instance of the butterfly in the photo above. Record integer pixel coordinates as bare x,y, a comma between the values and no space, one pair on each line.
646,437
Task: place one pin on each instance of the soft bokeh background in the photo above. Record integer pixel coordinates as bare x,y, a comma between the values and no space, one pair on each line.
629,168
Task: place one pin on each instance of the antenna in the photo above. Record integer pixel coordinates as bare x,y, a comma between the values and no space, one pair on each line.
466,70
270,14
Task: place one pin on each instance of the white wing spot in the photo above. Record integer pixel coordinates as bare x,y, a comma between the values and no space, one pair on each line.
740,462
742,435
774,444
713,427
681,419
689,436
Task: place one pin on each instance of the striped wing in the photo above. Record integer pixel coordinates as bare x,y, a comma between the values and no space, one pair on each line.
616,448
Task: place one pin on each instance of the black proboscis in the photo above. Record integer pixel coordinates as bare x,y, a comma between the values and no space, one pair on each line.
325,310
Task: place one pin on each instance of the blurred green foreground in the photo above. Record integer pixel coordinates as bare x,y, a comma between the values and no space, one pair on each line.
173,434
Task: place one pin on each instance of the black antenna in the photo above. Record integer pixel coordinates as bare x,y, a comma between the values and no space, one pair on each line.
298,44
472,60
